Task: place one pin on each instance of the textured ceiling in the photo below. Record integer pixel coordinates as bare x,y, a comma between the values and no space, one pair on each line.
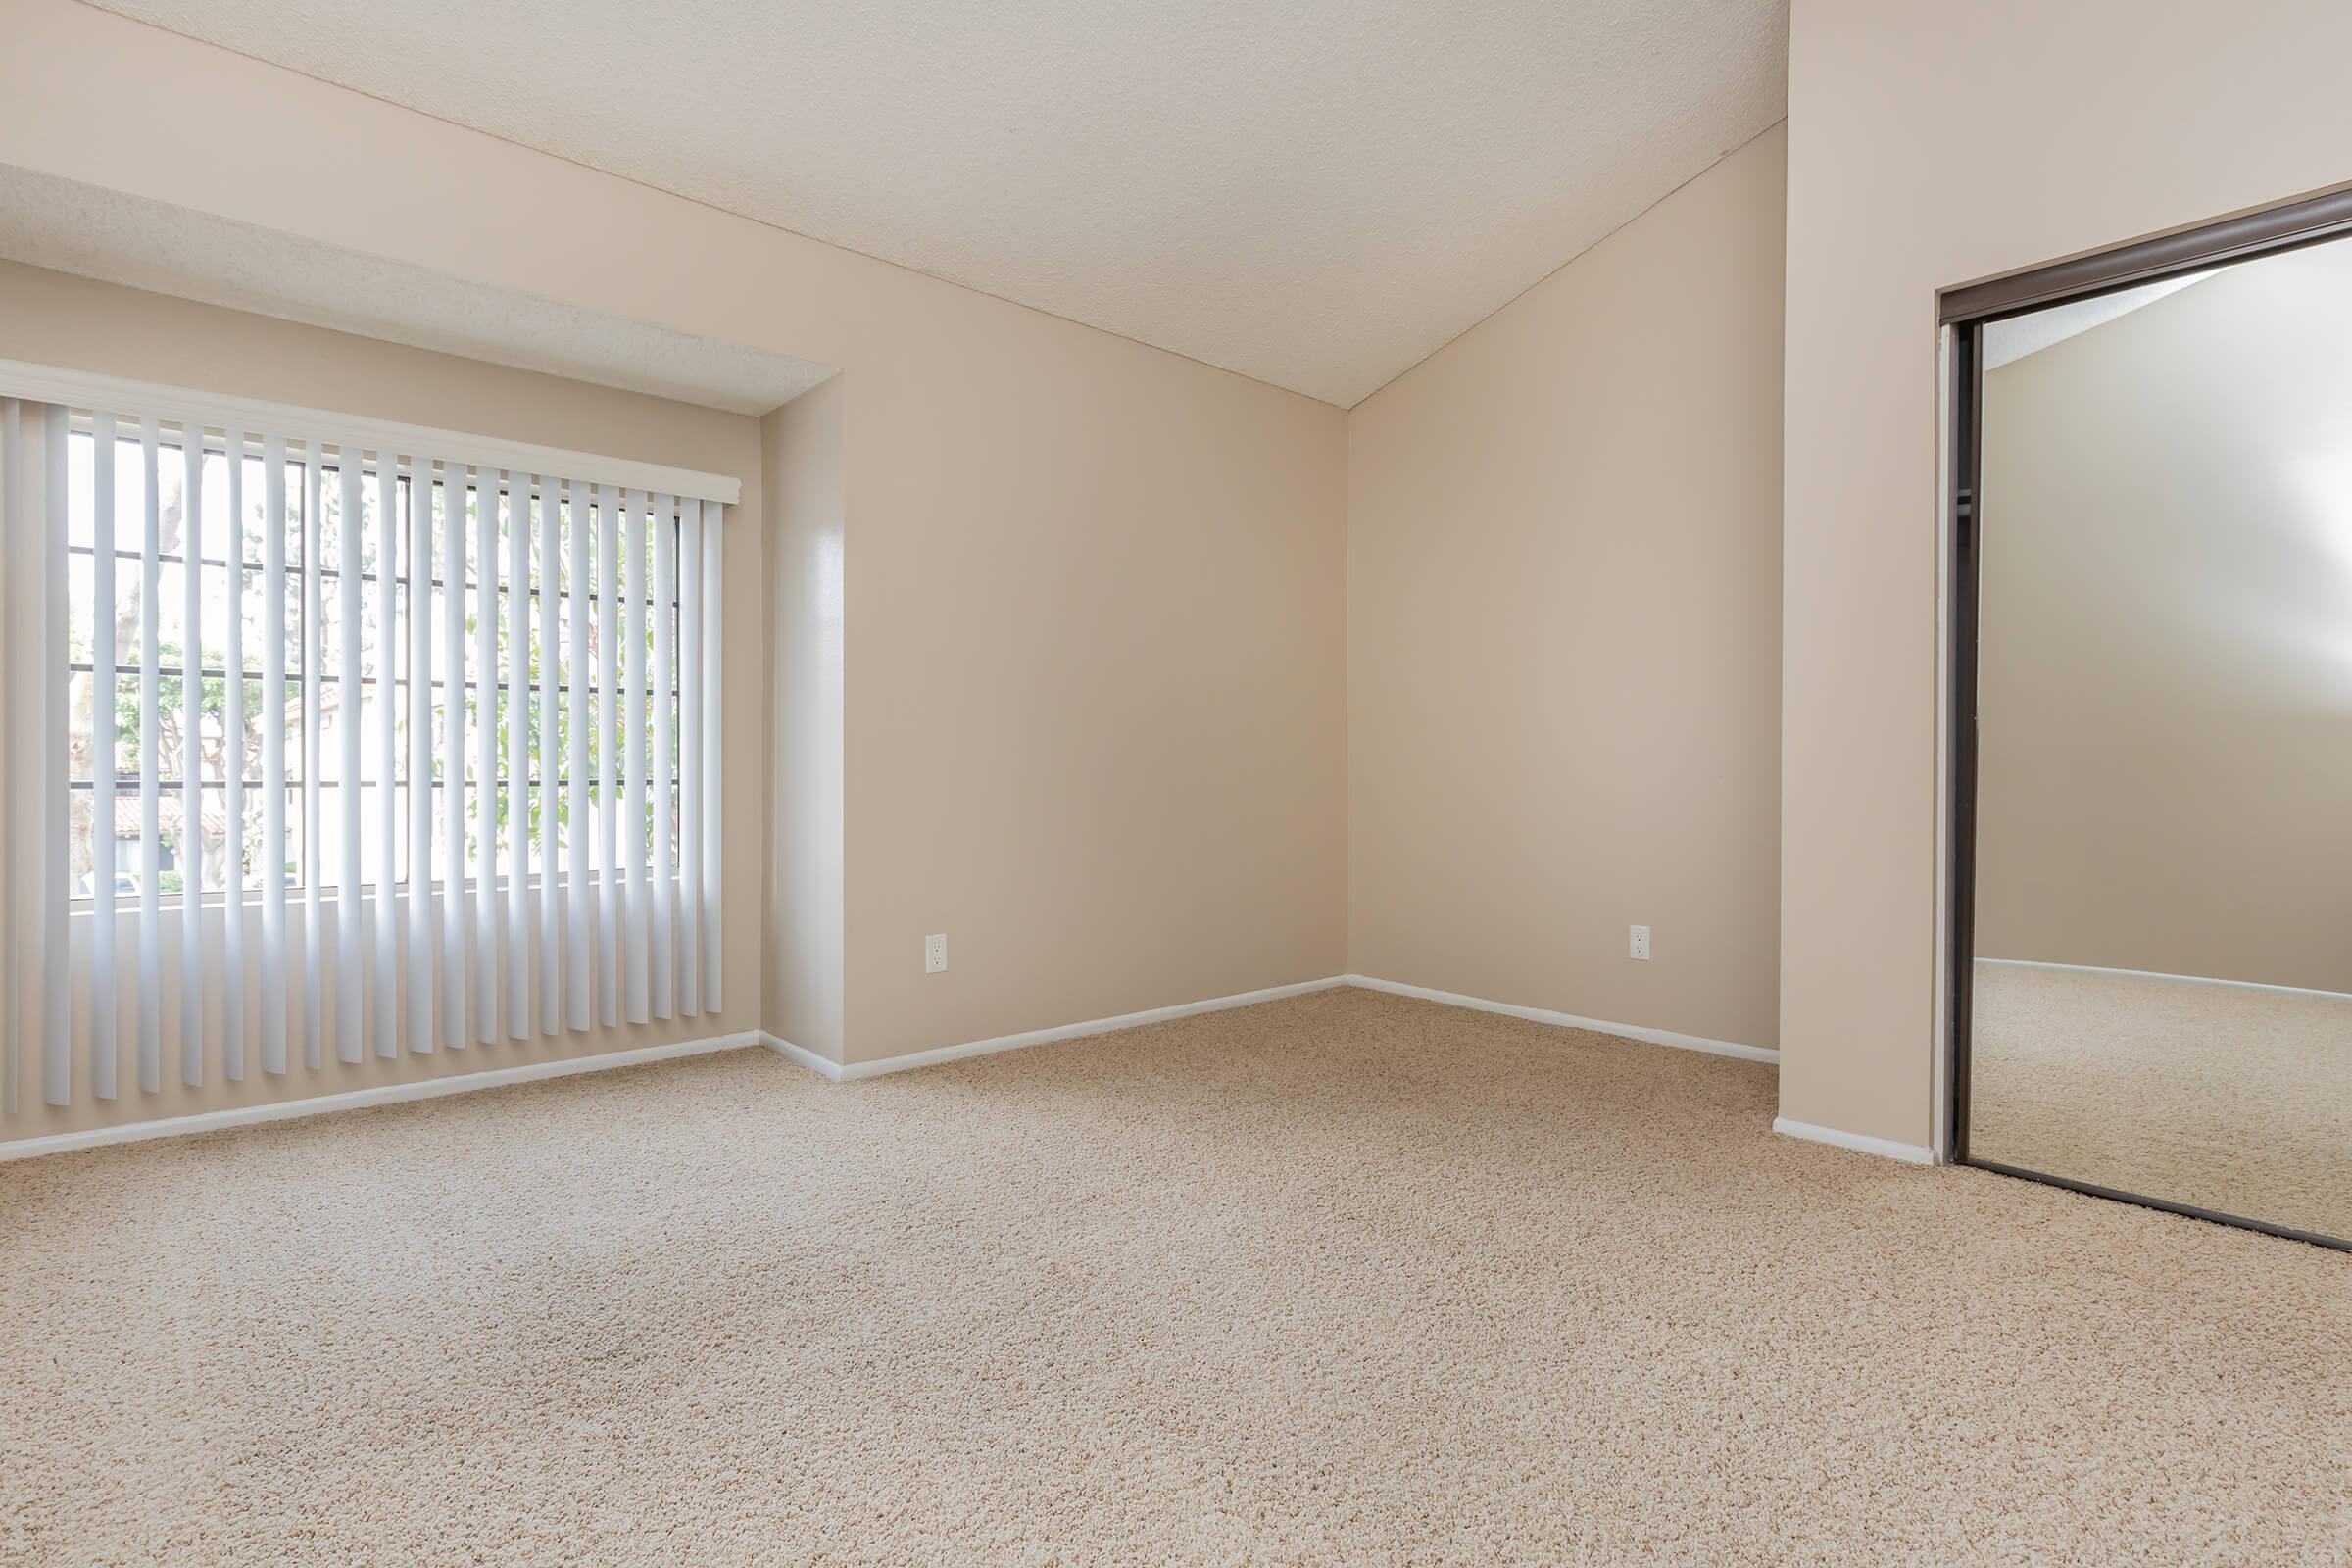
1316,193
71,227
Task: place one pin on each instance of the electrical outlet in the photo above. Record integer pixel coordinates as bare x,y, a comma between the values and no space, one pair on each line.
935,953
1639,947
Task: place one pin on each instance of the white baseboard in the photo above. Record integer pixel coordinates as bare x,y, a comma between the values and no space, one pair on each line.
1860,1143
2153,974
807,1058
361,1099
1569,1020
840,1074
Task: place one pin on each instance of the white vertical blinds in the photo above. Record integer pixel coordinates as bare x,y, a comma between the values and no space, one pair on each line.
151,787
690,759
385,908
234,732
57,1076
456,940
607,730
518,757
633,901
273,867
541,728
349,719
319,709
192,972
714,598
578,896
486,1015
417,715
661,768
103,679
313,680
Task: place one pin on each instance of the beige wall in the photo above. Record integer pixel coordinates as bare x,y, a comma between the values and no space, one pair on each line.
1096,692
1093,626
1924,154
801,446
2165,686
1563,629
53,318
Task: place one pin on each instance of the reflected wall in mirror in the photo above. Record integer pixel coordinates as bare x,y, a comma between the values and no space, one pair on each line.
2162,871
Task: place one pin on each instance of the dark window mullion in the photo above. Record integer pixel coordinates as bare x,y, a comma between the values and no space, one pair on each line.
125,672
294,570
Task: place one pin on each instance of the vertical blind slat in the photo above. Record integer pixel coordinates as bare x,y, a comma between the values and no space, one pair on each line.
486,1007
233,778
57,739
607,727
419,719
387,801
715,582
191,761
634,901
519,758
543,729
663,773
151,730
350,709
690,757
455,947
313,680
274,753
579,898
103,741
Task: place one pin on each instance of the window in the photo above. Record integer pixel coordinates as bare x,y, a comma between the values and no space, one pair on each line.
413,742
232,538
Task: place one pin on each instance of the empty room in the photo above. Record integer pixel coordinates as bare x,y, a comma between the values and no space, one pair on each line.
1031,783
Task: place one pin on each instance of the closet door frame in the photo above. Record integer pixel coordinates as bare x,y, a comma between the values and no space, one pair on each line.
1965,312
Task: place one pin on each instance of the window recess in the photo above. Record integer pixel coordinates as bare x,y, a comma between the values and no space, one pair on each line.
366,738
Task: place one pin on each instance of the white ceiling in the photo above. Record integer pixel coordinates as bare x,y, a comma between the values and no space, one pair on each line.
1316,192
72,227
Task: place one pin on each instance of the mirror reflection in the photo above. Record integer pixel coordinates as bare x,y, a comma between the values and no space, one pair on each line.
2163,912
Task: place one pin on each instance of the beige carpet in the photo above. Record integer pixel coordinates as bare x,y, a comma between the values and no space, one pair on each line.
1341,1279
2225,1096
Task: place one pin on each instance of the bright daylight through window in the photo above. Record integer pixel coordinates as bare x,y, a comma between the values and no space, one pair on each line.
405,750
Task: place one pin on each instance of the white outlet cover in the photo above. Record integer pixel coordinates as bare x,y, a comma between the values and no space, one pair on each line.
1637,943
935,952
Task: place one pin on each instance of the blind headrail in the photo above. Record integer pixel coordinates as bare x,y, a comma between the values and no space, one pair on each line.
220,411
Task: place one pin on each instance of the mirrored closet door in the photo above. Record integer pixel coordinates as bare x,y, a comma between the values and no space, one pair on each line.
2152,741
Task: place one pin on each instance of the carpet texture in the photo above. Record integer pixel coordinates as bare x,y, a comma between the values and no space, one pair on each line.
1345,1278
2228,1098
